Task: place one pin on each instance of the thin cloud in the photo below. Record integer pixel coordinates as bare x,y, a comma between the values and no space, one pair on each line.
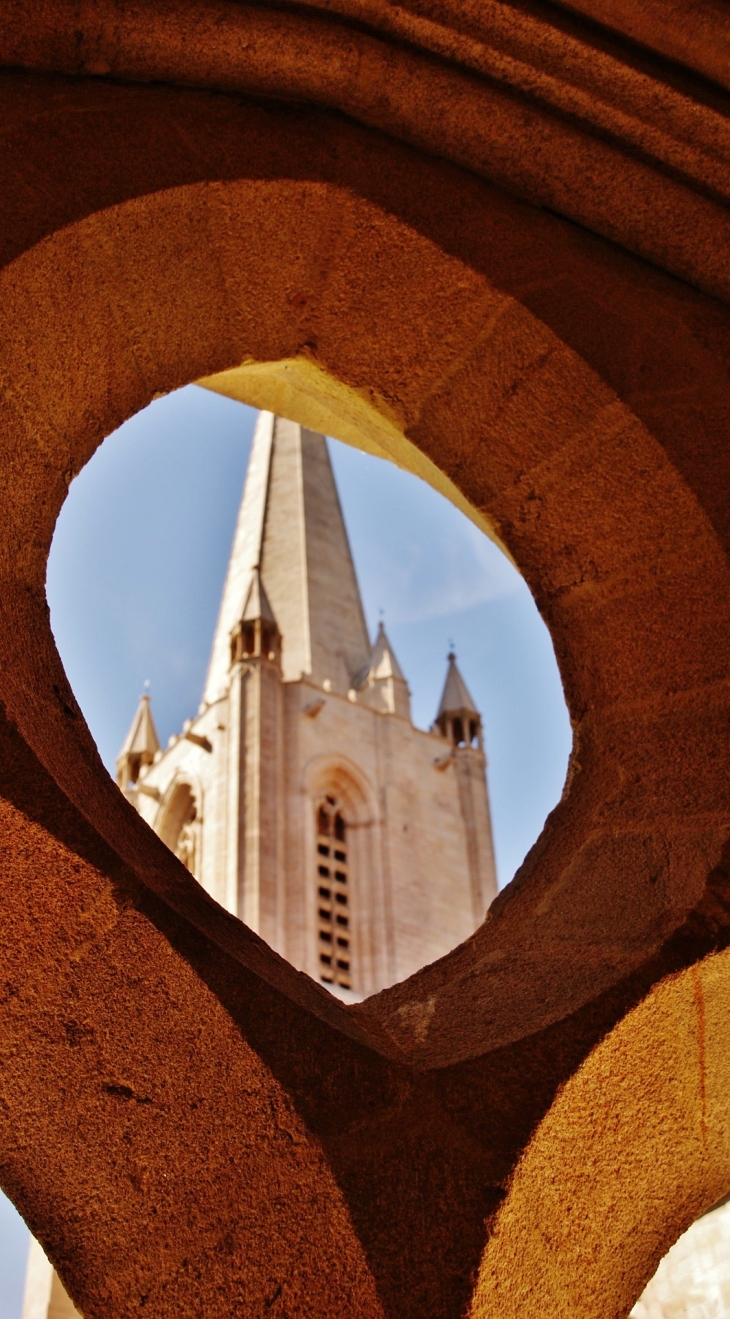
459,573
411,576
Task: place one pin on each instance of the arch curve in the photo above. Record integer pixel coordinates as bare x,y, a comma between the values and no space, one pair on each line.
620,1202
536,442
326,772
629,570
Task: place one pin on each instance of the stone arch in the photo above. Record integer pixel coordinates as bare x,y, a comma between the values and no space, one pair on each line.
575,1191
628,569
568,465
325,773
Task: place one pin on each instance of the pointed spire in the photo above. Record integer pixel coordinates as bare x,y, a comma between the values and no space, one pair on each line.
383,663
245,554
140,744
455,698
290,524
386,685
458,717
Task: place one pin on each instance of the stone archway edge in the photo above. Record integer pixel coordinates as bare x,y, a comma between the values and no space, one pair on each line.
578,592
184,1122
548,112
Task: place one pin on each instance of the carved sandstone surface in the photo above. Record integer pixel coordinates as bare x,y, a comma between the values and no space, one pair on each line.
505,230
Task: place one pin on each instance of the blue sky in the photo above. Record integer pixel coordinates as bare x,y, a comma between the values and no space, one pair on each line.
135,576
140,553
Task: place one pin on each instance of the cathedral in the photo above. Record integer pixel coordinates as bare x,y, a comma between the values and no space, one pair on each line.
301,796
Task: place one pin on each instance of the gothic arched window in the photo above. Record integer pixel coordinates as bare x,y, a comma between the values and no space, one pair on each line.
333,895
178,828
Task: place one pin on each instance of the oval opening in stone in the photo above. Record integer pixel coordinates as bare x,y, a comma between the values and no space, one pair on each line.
311,742
135,576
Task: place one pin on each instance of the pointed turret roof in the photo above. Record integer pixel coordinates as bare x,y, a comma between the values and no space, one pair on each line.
455,698
386,687
383,663
257,601
291,534
142,739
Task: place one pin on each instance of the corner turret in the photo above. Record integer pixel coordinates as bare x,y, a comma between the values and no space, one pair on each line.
458,718
140,745
385,686
256,635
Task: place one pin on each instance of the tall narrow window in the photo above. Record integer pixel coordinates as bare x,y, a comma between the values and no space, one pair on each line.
333,896
179,829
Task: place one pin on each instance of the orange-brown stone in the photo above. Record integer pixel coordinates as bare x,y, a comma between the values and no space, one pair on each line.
507,229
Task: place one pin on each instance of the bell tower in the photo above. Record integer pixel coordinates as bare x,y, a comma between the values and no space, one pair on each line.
301,796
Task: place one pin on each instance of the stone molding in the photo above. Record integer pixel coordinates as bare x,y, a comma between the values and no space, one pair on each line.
560,114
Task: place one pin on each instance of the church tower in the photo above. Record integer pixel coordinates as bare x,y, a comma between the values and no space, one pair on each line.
301,796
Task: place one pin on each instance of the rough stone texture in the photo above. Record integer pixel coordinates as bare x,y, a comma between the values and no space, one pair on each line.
187,1123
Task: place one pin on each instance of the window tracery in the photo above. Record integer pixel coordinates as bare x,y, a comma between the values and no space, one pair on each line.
333,895
180,826
185,847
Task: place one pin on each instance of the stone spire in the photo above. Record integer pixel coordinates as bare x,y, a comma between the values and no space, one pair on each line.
140,745
386,686
291,532
458,717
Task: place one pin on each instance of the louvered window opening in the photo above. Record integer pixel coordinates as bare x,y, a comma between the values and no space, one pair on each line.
333,896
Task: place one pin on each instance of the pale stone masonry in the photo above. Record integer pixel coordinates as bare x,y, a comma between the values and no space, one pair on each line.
301,796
